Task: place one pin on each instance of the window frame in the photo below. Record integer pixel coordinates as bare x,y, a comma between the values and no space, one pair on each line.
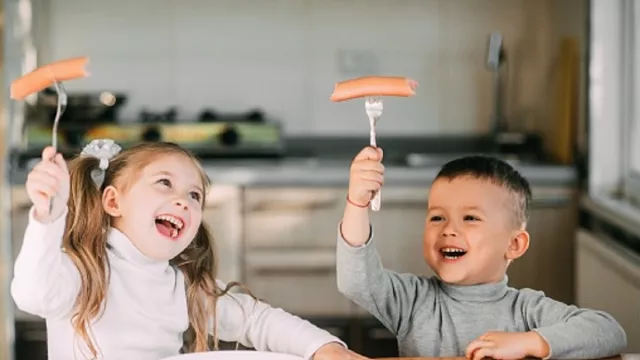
614,108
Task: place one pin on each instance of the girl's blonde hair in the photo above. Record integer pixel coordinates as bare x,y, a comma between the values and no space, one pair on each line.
85,243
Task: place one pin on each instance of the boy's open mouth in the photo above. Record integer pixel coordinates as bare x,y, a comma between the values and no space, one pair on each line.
452,253
169,226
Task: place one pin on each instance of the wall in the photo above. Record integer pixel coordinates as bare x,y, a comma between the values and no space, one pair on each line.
285,55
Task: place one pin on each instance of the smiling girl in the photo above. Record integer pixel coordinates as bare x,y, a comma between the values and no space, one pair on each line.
122,262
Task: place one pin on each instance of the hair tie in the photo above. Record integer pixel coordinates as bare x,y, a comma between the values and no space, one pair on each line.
104,150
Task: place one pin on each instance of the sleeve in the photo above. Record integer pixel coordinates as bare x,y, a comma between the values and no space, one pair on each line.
572,332
256,324
388,296
45,280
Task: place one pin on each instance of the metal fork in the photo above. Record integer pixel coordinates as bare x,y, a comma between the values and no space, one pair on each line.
61,107
373,106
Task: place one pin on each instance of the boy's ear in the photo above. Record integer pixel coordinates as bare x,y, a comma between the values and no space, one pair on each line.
518,245
111,201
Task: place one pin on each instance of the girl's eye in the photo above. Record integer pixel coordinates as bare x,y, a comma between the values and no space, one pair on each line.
196,196
470,218
165,182
436,218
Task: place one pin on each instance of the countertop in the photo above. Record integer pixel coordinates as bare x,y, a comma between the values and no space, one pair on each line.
335,172
313,172
619,357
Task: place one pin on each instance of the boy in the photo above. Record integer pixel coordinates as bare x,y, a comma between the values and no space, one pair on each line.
477,213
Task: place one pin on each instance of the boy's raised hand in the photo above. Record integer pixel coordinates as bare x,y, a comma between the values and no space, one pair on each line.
366,176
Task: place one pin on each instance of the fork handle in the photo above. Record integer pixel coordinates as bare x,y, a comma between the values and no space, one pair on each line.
375,202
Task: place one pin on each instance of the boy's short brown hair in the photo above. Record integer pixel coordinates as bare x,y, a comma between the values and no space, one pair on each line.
497,172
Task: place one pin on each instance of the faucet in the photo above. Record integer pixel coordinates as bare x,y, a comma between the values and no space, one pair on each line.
495,60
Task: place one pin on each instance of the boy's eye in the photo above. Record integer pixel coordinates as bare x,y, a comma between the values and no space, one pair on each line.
470,218
165,182
436,218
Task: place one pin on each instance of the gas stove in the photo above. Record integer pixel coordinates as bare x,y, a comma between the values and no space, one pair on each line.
209,135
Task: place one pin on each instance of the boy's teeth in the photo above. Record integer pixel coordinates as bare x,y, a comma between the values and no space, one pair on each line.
453,250
174,233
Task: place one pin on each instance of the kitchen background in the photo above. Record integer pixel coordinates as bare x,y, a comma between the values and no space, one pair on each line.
246,85
284,56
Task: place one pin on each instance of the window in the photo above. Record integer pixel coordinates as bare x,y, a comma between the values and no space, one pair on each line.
632,177
614,107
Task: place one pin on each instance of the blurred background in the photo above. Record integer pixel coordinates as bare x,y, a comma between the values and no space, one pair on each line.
548,85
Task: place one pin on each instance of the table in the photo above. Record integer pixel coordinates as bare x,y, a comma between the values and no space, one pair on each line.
619,357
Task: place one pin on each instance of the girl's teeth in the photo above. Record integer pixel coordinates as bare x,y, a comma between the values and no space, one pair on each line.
174,233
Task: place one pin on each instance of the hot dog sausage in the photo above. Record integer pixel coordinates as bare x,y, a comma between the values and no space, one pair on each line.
44,76
374,86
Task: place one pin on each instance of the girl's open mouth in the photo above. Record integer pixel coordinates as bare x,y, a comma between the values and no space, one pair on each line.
169,226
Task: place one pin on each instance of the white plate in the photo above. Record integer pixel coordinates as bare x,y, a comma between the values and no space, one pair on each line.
234,355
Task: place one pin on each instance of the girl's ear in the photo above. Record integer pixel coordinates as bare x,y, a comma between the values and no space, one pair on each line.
111,201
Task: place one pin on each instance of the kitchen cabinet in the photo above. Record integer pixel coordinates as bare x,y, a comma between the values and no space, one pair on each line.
20,206
303,283
398,229
548,263
299,225
376,340
31,340
289,248
292,218
223,216
608,279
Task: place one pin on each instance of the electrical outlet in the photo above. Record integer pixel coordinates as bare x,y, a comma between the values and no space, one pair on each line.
357,62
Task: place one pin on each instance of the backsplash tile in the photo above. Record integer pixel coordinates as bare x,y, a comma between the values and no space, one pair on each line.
284,56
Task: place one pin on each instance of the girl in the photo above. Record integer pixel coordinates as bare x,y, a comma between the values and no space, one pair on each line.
121,265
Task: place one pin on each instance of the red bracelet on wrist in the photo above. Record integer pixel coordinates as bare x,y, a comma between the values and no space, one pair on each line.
358,205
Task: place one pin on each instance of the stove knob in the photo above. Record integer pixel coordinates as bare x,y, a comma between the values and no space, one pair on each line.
229,136
151,134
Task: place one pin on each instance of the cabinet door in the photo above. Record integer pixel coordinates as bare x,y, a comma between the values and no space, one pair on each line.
302,282
608,279
398,229
292,218
548,264
377,341
20,206
31,340
222,214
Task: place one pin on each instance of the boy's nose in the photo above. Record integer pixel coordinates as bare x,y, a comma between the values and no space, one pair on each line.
449,230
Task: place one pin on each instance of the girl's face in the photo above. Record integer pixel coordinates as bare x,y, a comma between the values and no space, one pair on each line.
161,210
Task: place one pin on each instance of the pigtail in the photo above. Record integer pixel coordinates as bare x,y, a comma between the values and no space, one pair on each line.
199,264
85,243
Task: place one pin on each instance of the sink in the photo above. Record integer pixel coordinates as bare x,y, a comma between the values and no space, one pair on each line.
437,160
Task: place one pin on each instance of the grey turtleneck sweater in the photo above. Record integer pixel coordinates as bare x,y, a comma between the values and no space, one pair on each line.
435,319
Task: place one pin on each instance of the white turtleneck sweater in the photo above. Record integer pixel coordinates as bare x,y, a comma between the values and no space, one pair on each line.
145,312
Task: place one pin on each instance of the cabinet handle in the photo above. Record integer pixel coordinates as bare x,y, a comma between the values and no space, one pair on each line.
335,331
555,201
381,334
34,335
293,206
404,204
294,271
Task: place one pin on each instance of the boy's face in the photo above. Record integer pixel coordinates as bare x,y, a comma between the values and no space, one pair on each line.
470,231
